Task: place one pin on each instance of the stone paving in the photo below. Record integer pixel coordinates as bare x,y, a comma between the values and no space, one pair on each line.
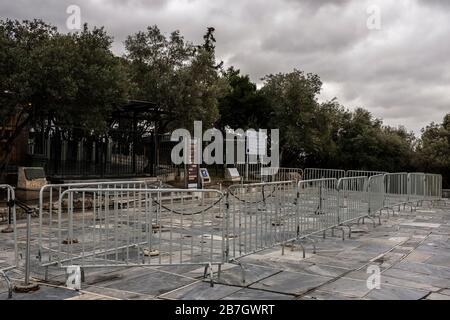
412,250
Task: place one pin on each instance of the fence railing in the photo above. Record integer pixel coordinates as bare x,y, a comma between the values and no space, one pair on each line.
359,173
49,204
137,227
353,198
260,216
317,205
318,173
377,192
281,174
8,198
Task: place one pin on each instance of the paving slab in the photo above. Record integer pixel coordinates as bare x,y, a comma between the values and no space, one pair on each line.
44,293
287,282
154,283
255,294
323,295
201,291
252,274
387,292
346,286
437,296
113,294
425,268
418,277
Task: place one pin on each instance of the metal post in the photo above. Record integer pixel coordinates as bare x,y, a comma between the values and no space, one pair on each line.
27,261
227,227
27,286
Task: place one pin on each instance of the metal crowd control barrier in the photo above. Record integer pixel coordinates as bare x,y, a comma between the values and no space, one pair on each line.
137,227
416,190
376,190
127,223
360,173
424,187
316,173
281,174
317,206
50,194
353,198
261,216
396,189
7,265
250,172
433,187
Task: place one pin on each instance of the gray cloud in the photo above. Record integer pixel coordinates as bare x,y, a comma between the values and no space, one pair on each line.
401,73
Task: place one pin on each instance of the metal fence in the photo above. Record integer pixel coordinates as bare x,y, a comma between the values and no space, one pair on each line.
353,198
260,216
433,187
396,188
250,172
377,192
281,174
359,173
136,227
317,205
7,198
317,173
257,173
412,188
49,204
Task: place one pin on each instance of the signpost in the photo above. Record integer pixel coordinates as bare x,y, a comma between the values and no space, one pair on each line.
192,169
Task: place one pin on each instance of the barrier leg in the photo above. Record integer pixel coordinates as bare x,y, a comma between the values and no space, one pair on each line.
27,286
373,221
349,230
242,272
209,272
301,246
313,243
8,283
211,275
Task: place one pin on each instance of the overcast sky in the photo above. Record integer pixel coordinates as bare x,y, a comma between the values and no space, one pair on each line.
400,72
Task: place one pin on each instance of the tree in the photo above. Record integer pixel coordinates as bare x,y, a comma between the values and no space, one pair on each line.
327,128
293,99
63,81
181,78
433,149
243,106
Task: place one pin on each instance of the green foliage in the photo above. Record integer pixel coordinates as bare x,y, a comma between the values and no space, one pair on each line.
433,149
182,79
293,99
243,106
70,80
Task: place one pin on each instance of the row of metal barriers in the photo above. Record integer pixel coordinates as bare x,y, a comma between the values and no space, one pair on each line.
259,173
137,223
